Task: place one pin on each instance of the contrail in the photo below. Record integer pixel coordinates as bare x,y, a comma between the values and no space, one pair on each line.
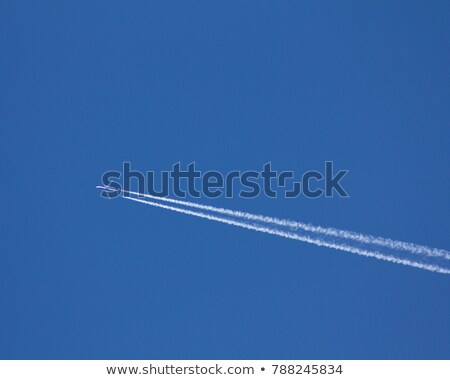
298,236
341,234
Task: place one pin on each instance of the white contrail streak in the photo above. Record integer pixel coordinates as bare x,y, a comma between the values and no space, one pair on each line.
342,234
297,236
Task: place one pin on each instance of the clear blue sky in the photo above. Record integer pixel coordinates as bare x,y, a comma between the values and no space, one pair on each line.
86,85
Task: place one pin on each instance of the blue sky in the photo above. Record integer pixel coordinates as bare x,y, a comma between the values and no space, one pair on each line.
87,85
